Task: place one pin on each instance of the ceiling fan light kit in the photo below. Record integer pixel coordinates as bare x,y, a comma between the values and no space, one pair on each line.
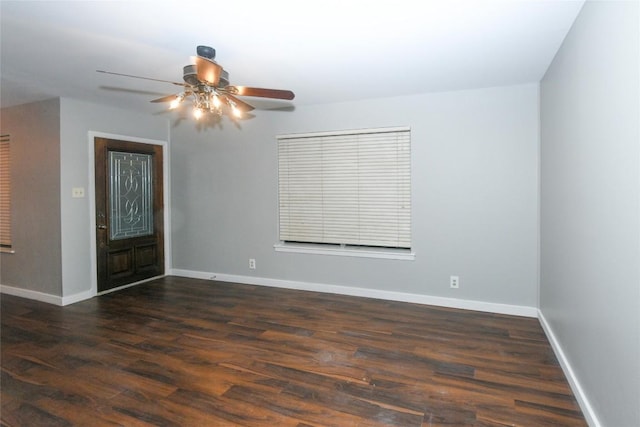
206,85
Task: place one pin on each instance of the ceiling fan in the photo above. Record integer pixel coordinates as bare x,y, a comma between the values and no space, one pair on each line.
206,84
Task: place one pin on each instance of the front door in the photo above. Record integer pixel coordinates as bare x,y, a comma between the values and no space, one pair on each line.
129,212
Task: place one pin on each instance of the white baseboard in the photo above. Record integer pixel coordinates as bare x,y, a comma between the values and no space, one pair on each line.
587,409
516,310
34,295
80,296
62,301
42,297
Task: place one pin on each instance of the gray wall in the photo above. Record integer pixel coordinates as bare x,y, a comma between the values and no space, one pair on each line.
52,232
35,153
474,179
590,207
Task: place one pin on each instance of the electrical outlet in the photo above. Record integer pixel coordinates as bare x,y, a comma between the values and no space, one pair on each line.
454,282
252,263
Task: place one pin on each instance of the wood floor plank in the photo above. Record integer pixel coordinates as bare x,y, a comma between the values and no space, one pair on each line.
188,352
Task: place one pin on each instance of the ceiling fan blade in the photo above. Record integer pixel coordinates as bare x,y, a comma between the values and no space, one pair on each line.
208,71
143,78
242,106
263,93
177,97
167,98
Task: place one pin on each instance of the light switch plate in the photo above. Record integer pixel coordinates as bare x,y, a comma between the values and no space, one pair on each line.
77,192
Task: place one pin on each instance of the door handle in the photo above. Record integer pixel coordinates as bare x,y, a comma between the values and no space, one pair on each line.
102,227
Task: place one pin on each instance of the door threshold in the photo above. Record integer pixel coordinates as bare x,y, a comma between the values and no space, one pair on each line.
119,288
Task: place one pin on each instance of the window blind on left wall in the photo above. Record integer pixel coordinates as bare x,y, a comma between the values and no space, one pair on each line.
5,191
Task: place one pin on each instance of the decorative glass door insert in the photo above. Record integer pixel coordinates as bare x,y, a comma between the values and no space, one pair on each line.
131,201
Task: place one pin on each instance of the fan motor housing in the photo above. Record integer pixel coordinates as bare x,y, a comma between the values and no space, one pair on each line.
206,52
224,79
190,76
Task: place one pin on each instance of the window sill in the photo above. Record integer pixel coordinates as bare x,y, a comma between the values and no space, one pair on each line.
7,251
354,251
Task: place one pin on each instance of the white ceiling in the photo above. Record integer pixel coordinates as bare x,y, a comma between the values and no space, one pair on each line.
325,51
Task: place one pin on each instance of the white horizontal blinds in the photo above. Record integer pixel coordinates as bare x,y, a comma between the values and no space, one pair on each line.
300,190
351,188
384,189
5,191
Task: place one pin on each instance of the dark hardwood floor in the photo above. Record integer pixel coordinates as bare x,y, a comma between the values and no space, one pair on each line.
185,352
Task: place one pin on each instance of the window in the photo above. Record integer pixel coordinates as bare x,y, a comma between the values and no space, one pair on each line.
5,192
347,188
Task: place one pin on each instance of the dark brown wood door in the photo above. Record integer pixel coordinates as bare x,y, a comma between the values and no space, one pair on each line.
129,212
